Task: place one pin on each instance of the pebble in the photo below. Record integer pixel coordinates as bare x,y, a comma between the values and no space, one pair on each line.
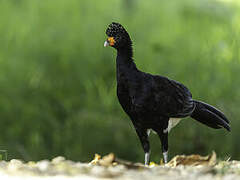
43,165
58,159
15,164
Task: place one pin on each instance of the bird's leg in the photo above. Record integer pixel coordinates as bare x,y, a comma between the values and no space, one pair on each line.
164,140
143,136
165,157
148,132
147,158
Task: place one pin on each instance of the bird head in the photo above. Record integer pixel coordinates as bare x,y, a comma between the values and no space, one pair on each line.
117,36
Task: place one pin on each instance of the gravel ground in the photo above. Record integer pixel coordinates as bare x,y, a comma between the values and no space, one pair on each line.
109,167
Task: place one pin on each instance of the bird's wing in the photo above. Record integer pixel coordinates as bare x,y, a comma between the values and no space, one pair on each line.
171,98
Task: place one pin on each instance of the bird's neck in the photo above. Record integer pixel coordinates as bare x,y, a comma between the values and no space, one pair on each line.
125,63
126,51
124,56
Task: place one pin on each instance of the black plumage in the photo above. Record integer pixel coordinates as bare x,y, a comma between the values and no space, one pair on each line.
152,101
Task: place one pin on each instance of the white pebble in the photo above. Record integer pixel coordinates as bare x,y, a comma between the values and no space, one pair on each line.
43,165
58,159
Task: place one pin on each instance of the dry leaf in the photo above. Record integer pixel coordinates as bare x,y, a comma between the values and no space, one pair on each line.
107,160
111,160
193,160
152,164
97,157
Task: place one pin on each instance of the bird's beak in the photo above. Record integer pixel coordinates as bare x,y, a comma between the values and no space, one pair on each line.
106,43
109,42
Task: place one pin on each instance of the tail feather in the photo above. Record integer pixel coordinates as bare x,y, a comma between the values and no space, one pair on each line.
215,110
210,116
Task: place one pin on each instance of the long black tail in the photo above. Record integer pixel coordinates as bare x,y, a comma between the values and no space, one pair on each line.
210,116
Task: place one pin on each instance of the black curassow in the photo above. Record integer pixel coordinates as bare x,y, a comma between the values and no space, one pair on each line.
154,102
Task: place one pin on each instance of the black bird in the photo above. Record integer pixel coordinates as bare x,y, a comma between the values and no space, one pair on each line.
154,102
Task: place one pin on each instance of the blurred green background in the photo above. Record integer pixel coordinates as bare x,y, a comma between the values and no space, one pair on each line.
57,81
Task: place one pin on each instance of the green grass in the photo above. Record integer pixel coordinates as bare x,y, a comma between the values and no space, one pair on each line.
3,155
